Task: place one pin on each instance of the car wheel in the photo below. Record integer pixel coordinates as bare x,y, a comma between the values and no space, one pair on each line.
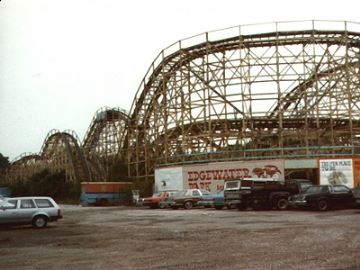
218,207
230,206
161,206
282,204
188,205
322,205
257,207
40,221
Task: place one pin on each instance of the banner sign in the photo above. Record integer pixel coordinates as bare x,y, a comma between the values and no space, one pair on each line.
336,172
211,176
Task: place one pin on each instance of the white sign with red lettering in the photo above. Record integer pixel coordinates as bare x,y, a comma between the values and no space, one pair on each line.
211,176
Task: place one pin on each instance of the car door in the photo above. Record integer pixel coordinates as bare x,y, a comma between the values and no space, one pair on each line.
342,196
8,211
196,196
27,209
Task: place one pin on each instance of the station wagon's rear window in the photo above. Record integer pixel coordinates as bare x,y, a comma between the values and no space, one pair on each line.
43,203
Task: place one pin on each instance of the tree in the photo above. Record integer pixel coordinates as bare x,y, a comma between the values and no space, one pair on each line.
118,171
4,162
46,183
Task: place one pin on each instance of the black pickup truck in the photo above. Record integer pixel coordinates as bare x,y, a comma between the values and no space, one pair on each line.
262,193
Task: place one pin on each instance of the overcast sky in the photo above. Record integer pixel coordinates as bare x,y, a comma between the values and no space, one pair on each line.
60,61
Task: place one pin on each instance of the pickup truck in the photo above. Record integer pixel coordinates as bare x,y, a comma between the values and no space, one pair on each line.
262,193
188,198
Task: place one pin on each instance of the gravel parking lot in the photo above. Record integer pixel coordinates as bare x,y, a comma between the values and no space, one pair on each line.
140,238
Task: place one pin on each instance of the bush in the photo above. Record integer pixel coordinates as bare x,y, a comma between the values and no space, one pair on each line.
46,183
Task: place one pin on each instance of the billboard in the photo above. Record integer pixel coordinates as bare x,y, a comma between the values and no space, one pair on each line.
336,172
211,176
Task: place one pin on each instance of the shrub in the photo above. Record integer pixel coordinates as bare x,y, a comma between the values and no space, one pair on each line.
46,183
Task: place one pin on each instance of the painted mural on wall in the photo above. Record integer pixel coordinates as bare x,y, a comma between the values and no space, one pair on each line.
211,176
169,179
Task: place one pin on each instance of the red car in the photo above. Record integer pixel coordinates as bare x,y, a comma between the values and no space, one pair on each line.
154,201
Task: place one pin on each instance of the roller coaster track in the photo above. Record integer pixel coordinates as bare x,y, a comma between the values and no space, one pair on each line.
297,87
278,90
62,151
104,140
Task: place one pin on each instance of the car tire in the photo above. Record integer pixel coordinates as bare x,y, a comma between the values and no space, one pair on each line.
257,207
282,204
322,205
218,207
242,207
188,205
161,206
40,222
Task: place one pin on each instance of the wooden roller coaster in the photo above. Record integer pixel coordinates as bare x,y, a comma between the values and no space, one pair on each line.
278,90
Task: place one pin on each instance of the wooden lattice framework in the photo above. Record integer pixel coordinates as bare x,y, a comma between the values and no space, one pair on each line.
102,146
60,152
283,92
104,141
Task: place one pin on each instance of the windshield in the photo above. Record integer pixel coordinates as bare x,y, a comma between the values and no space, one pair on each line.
8,204
317,189
232,184
181,193
305,186
205,192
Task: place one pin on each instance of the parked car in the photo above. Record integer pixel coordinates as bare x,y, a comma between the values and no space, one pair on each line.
37,211
219,200
206,199
5,192
168,201
188,198
356,192
154,201
324,197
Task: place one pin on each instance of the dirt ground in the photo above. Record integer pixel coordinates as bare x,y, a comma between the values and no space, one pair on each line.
140,238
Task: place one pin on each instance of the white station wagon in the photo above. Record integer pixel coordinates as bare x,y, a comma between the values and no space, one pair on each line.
37,211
